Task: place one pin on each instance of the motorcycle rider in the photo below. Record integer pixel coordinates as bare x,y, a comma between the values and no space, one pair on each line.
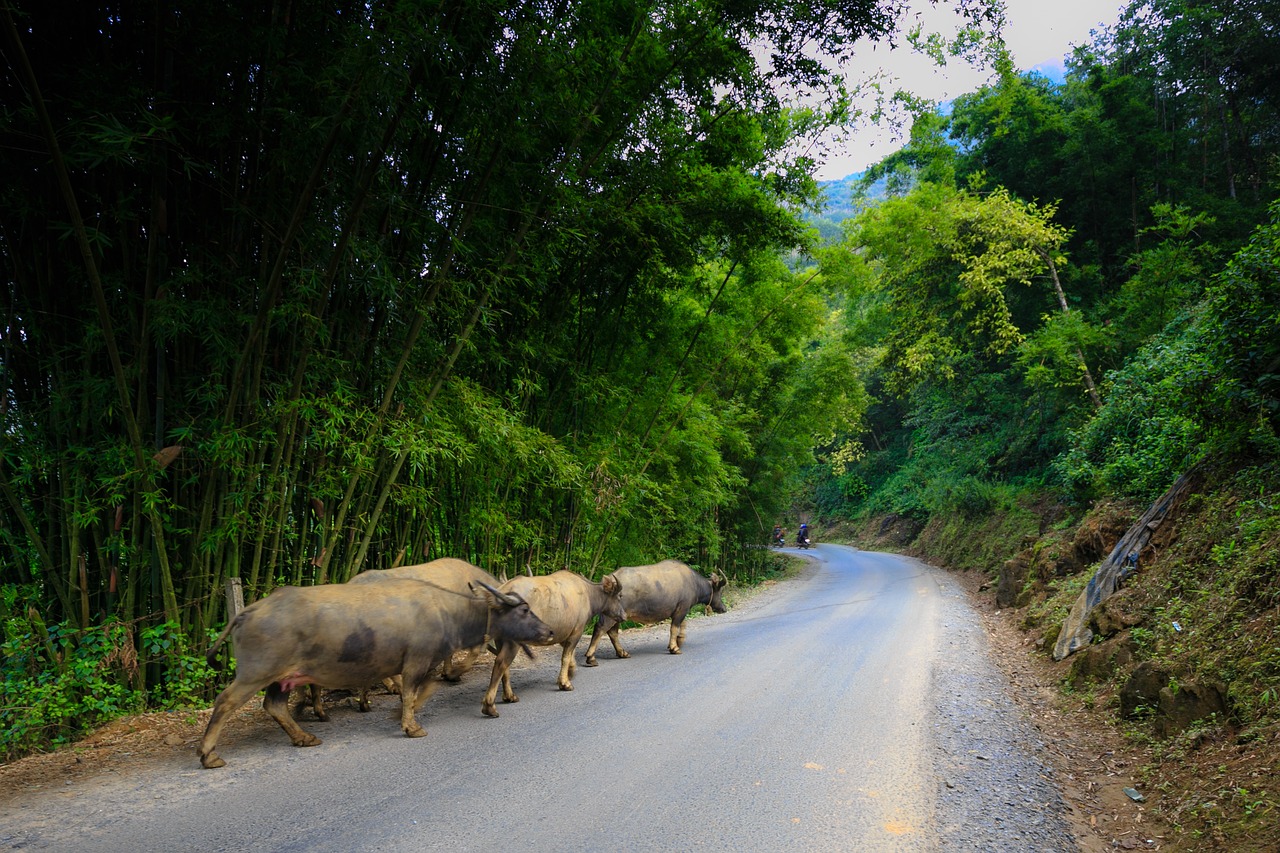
778,535
802,535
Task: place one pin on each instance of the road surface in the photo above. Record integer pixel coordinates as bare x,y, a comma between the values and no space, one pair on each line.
850,709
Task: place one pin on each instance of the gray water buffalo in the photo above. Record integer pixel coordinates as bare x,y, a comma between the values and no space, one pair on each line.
471,611
651,594
350,636
467,612
564,600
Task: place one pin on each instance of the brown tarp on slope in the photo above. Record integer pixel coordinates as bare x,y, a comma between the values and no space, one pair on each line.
1122,561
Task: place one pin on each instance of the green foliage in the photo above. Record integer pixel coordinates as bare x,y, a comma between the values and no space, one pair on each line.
1168,277
1243,308
1050,356
187,680
947,261
1146,433
979,542
1206,383
497,282
57,682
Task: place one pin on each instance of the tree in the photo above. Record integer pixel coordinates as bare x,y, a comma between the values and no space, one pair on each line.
947,260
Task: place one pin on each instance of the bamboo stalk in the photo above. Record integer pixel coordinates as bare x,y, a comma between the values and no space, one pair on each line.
47,565
275,277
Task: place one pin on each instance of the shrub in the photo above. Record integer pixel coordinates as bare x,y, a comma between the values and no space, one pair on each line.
58,683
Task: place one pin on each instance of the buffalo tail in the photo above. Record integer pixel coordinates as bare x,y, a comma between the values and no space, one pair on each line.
211,656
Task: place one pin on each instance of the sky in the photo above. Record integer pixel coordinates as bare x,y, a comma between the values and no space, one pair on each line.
1039,35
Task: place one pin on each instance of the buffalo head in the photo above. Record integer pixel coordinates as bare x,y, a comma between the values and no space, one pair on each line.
613,604
717,584
510,617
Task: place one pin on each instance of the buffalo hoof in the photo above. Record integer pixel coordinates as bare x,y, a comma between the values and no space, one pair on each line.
590,662
566,686
307,740
489,710
674,651
416,731
624,654
212,761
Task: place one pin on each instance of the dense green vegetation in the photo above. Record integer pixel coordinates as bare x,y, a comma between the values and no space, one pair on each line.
297,290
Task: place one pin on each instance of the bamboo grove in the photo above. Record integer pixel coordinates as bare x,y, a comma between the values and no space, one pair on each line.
294,290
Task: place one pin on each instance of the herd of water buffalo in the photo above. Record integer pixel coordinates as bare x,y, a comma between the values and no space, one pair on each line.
407,623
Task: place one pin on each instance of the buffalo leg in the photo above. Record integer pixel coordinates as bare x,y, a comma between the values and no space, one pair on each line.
228,701
276,703
501,663
567,663
453,672
617,646
595,641
415,689
604,626
317,703
677,637
677,632
508,694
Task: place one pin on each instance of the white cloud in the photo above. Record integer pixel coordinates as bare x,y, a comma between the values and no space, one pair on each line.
1039,35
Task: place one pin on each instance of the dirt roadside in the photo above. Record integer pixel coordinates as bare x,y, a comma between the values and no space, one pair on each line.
1094,762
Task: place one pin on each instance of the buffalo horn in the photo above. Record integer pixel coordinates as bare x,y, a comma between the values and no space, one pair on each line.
505,597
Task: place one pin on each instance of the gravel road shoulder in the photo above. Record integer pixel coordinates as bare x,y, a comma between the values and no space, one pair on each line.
994,784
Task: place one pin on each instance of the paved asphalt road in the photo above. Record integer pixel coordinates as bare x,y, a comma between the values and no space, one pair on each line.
805,719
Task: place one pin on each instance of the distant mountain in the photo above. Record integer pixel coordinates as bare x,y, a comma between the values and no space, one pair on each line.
840,201
842,204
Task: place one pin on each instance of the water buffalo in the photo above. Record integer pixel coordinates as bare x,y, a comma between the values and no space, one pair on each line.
349,636
651,594
564,600
469,614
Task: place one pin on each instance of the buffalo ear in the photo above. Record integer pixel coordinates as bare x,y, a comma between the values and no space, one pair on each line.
717,581
611,584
